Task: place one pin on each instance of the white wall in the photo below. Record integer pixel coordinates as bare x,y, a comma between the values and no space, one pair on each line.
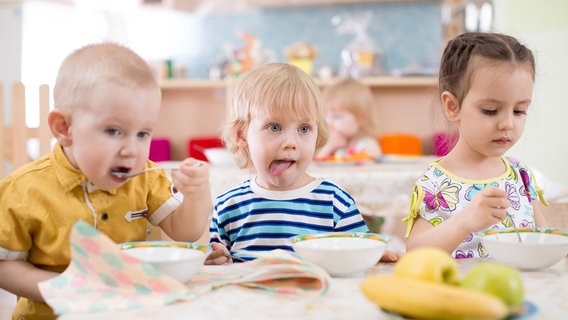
543,26
36,35
11,48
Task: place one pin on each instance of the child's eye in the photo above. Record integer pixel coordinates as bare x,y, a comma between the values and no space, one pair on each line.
143,134
520,112
112,131
274,128
304,128
489,112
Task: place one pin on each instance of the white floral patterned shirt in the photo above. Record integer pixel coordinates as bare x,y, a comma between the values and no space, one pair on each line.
438,195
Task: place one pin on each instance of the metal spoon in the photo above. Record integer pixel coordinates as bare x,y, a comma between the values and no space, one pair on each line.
234,257
515,227
134,174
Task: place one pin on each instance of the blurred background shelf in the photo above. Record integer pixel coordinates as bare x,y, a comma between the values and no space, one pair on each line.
403,105
386,81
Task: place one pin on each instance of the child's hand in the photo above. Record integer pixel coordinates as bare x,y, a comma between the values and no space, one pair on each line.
487,208
336,140
217,256
192,177
390,256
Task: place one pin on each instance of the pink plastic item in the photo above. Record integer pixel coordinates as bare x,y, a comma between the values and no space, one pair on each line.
160,149
444,142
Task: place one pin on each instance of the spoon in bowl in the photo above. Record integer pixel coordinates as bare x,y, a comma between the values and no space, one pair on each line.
128,175
515,227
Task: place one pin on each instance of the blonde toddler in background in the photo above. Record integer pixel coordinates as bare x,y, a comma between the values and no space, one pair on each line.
350,114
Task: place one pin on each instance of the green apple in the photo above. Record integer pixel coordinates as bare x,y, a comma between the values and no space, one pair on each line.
498,279
428,264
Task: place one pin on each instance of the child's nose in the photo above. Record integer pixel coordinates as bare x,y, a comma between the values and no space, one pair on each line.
128,148
506,122
290,141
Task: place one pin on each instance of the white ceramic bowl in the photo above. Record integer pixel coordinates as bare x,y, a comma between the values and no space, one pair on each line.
180,260
341,253
220,157
540,247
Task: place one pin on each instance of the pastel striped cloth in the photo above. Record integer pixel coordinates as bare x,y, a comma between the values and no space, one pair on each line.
102,278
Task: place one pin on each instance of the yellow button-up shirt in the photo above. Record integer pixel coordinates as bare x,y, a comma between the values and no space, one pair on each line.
41,201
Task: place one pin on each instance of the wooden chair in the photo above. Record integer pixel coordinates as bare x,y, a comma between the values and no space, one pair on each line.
14,132
556,215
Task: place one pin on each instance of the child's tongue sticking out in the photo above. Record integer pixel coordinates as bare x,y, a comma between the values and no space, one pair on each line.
279,166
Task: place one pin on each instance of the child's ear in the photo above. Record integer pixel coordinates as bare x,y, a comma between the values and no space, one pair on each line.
59,124
451,106
241,140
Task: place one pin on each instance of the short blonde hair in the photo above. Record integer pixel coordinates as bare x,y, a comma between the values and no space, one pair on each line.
107,62
355,97
277,89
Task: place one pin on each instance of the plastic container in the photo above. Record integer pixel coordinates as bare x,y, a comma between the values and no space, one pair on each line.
406,144
196,146
160,150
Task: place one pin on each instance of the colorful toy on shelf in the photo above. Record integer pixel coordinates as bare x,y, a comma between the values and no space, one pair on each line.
242,59
361,57
301,55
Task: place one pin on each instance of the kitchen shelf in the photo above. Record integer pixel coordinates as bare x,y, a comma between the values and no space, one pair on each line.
389,81
192,84
195,108
385,81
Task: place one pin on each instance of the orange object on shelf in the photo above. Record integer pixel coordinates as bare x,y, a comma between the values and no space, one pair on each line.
406,144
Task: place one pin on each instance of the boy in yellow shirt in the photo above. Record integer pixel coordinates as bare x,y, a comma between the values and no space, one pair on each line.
106,105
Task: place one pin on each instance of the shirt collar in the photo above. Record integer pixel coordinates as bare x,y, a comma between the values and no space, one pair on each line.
70,177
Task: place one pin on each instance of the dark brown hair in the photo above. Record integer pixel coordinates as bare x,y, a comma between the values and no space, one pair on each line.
455,72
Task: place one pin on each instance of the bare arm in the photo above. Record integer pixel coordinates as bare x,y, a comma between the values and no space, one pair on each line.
539,218
21,278
335,141
189,220
487,208
372,147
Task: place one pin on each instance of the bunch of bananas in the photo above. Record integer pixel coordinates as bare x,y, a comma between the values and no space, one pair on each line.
425,285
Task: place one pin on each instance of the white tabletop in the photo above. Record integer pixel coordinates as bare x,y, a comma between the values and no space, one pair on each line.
547,289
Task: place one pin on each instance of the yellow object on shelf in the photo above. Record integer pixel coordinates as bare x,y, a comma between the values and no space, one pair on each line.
306,64
301,55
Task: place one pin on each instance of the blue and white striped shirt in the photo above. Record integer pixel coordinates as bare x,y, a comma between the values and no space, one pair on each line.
251,218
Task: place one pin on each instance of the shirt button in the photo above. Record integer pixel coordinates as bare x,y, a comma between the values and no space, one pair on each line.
104,216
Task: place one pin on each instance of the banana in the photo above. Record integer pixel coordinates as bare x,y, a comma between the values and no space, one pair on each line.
428,300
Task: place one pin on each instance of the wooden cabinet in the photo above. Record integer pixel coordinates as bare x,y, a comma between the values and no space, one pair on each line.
194,108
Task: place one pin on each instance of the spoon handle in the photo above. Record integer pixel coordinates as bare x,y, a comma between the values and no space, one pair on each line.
234,257
515,227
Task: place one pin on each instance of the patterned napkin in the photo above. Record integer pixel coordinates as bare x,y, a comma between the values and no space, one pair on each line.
102,278
279,272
